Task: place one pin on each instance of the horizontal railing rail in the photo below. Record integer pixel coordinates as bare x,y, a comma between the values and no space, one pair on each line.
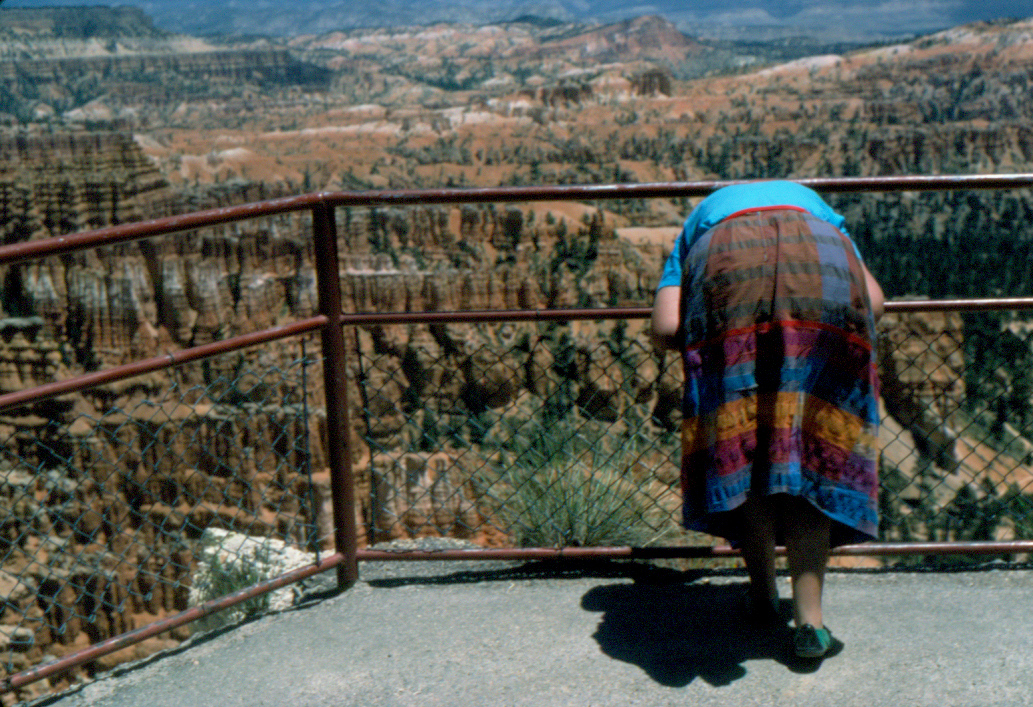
157,363
311,324
872,549
111,235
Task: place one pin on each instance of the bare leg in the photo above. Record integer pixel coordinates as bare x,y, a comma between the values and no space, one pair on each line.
758,550
807,547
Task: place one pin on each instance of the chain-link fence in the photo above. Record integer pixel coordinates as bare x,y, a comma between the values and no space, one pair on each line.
127,503
519,435
957,461
562,435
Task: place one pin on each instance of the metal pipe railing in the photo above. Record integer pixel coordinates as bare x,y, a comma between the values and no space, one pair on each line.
311,324
335,373
588,314
872,549
158,363
331,320
13,682
670,190
111,235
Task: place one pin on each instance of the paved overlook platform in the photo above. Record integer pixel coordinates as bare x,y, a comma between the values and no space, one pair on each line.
439,633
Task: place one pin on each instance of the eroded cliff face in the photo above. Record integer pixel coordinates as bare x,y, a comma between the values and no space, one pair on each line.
111,486
156,78
144,463
120,304
65,182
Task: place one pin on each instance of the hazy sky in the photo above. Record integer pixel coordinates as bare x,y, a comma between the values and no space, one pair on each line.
852,10
885,17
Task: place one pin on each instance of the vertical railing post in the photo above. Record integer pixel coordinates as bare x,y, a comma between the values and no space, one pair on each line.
342,486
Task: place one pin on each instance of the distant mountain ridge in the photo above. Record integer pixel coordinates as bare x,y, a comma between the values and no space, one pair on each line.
714,20
79,22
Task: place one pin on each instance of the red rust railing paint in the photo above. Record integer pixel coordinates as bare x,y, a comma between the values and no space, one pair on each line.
335,372
125,233
873,549
129,638
583,314
331,320
56,245
311,324
303,326
157,363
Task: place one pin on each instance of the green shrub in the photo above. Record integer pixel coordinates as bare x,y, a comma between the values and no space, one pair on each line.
575,503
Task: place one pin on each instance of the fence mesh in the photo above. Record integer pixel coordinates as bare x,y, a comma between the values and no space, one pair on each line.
525,436
563,435
127,503
957,463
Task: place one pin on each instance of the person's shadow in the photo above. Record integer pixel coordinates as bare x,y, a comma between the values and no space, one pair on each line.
678,632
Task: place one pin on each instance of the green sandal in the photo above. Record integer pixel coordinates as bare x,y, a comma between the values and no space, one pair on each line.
810,642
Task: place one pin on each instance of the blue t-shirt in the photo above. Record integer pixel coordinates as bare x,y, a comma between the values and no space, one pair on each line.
739,197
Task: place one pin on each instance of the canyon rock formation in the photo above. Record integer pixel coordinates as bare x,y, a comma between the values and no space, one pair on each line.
105,495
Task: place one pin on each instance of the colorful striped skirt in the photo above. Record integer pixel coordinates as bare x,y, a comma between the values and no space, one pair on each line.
781,388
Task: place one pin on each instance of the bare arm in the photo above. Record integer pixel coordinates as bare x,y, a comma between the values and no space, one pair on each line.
875,294
666,319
